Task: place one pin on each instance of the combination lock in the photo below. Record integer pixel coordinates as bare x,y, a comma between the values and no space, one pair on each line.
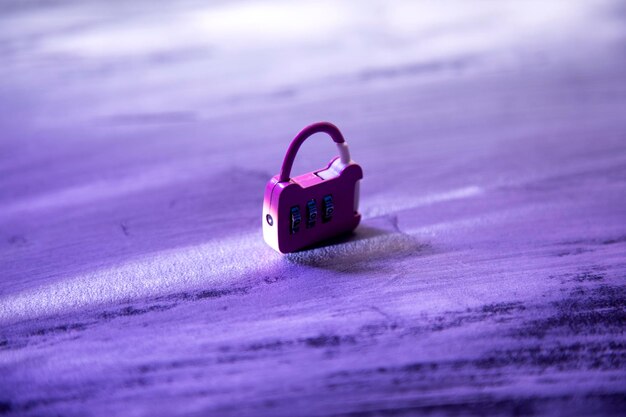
302,211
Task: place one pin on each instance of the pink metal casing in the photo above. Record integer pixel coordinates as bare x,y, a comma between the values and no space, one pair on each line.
339,179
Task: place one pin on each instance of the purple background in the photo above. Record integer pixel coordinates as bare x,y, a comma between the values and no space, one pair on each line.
487,276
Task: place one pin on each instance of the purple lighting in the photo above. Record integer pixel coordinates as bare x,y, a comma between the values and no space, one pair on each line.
487,275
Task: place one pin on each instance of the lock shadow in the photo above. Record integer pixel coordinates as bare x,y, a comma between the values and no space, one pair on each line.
375,244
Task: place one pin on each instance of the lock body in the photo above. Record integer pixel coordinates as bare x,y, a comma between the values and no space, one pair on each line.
310,208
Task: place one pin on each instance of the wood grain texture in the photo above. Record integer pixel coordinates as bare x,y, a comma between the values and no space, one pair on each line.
487,277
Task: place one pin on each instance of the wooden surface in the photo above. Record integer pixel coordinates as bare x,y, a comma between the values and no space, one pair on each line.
487,277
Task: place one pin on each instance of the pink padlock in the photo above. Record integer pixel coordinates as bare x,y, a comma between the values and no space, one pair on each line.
310,208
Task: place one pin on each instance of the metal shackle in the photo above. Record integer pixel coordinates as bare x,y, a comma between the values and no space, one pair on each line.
294,146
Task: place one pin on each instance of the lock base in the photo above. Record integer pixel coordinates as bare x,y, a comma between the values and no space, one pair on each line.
333,199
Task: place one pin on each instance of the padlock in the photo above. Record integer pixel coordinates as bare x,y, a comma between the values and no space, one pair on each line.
310,208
